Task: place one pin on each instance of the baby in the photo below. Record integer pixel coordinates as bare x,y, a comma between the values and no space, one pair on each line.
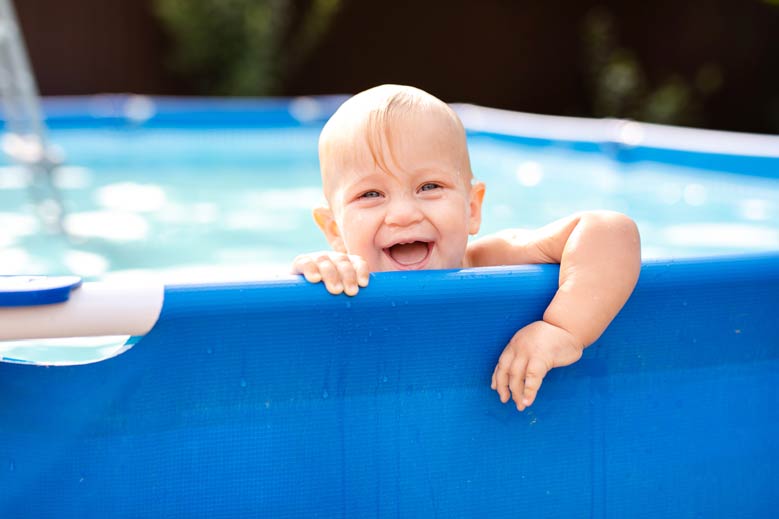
401,196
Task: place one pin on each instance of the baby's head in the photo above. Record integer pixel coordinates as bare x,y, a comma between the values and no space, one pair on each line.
398,181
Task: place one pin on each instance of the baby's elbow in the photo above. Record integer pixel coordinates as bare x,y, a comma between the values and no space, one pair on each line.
614,223
621,231
621,224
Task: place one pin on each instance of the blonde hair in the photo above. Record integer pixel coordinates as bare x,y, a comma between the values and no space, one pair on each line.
373,113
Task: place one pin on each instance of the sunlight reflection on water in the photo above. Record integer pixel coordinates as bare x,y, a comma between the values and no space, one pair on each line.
236,204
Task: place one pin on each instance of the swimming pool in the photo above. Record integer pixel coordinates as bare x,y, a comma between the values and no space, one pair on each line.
221,189
270,397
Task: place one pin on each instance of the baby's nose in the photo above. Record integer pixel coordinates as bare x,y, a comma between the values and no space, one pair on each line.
403,211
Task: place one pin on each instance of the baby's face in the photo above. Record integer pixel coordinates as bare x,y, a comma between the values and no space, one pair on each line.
415,209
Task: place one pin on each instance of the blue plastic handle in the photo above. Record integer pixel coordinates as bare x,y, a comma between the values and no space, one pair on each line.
36,290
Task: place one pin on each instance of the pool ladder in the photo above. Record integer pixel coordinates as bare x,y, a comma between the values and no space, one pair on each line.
25,139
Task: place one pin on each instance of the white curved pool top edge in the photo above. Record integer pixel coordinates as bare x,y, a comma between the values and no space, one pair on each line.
622,131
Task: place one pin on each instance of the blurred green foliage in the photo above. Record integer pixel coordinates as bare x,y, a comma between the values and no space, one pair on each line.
242,47
619,86
259,47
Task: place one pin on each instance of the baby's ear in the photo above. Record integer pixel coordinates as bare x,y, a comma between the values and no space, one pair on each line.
323,216
477,197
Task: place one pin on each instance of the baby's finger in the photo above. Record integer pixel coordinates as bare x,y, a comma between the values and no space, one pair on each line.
308,267
517,380
534,376
348,275
330,276
502,376
361,266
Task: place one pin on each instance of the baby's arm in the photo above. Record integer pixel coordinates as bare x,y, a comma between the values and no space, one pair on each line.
341,273
600,258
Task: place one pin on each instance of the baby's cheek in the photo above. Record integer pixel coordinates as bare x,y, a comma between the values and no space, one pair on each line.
366,251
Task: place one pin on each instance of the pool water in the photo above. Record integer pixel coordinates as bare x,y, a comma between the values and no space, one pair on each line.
215,203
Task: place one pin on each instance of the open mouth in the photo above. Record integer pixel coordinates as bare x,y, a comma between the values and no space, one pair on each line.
410,255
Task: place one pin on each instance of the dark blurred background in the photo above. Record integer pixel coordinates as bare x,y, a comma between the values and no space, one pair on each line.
702,63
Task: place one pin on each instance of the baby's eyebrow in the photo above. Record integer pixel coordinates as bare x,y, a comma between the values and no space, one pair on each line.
441,168
371,177
424,171
365,182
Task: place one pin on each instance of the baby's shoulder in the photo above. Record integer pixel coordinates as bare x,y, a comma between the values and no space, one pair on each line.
506,247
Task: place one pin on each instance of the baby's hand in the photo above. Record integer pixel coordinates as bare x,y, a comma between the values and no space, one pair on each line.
340,272
531,353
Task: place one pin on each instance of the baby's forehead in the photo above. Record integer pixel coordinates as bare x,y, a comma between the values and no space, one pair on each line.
377,129
373,133
397,143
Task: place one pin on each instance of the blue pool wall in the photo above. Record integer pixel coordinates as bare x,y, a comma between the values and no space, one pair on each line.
277,399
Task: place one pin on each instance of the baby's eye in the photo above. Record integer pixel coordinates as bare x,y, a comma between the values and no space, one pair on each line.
370,194
429,186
